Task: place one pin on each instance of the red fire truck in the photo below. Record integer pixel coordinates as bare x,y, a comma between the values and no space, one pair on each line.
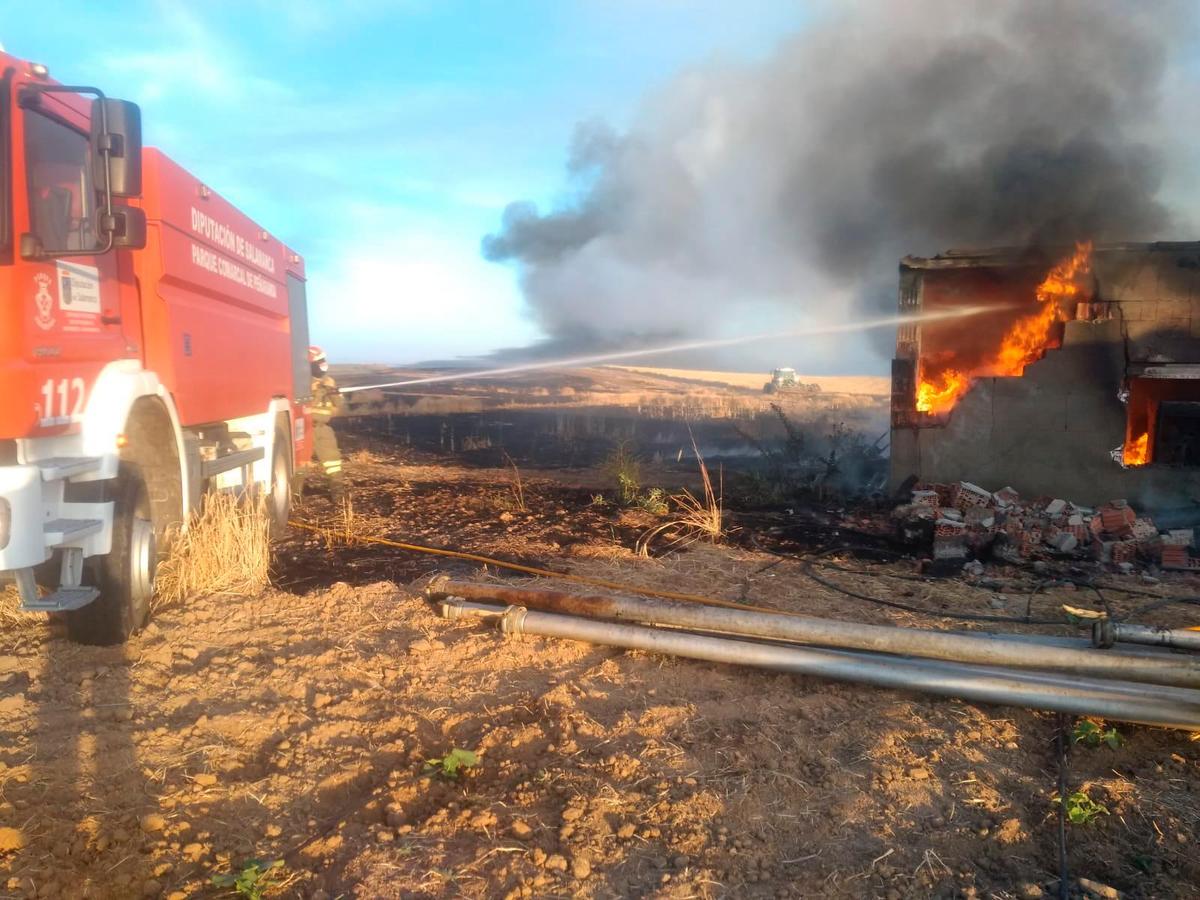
153,345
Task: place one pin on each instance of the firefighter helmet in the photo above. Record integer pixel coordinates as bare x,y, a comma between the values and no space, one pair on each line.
317,362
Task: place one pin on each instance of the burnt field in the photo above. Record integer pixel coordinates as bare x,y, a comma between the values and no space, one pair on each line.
298,725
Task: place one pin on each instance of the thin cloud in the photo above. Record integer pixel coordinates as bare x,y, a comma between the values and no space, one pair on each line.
193,62
309,18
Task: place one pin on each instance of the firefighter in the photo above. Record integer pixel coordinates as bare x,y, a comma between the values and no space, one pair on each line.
325,402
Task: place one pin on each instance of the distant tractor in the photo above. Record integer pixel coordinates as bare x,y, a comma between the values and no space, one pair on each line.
784,381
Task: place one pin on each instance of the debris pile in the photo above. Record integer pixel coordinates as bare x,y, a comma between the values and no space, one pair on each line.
970,522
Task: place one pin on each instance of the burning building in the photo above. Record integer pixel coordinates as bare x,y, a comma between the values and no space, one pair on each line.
1081,378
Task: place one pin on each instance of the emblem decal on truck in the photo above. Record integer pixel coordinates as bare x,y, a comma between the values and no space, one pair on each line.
44,301
78,288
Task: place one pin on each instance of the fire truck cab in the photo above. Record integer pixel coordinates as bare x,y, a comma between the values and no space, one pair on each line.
153,345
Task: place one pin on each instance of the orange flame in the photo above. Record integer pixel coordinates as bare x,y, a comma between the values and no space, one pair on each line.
1025,340
1021,345
938,393
1137,451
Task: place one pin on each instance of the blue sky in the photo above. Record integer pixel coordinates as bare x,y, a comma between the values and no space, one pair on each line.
383,139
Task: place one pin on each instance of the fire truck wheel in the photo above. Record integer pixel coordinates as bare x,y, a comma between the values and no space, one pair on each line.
279,502
125,576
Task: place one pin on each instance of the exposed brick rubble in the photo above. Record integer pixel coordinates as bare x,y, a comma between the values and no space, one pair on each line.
970,522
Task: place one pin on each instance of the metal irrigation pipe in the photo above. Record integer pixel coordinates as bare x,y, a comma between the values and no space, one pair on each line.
957,646
1147,704
1105,633
456,608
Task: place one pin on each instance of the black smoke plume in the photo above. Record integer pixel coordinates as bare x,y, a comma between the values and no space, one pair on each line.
792,186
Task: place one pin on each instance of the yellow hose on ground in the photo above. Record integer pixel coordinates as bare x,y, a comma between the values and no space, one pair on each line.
533,570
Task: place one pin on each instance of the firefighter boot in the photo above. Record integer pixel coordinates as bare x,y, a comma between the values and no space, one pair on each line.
337,490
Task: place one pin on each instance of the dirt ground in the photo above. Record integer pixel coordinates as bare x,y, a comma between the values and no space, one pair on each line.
297,726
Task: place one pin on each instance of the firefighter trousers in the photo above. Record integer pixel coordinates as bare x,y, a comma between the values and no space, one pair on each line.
325,448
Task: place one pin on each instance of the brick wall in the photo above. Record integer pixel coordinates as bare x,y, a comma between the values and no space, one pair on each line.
1052,430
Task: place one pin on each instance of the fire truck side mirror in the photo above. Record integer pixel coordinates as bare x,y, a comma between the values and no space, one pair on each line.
127,225
117,129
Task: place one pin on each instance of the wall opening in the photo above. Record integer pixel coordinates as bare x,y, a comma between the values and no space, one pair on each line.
1163,422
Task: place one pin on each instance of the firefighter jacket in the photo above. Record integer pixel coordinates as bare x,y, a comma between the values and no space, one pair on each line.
326,399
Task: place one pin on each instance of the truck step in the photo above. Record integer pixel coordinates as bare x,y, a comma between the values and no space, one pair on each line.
63,600
62,531
235,460
59,467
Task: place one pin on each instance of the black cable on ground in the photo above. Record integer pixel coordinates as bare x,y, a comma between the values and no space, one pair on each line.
818,556
1138,592
1060,722
1108,610
1159,600
901,576
1029,600
807,563
1160,603
806,566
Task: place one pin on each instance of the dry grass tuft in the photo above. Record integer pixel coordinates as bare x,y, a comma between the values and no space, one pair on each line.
9,599
518,487
696,519
225,550
12,620
346,526
10,616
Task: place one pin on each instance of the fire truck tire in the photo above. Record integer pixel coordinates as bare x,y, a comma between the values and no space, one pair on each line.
279,500
125,576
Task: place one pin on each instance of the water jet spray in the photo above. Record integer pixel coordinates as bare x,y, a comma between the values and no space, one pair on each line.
615,356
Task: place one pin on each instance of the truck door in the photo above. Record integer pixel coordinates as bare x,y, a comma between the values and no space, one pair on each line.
72,315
